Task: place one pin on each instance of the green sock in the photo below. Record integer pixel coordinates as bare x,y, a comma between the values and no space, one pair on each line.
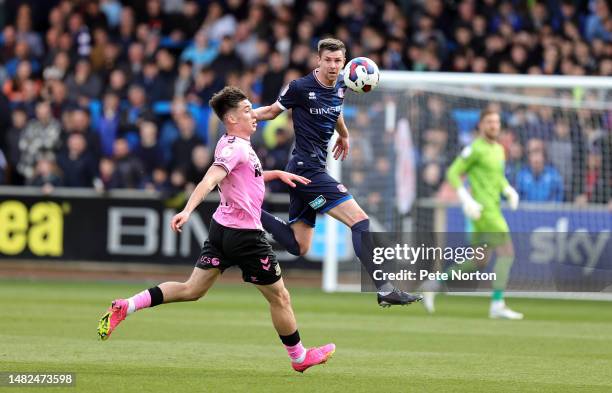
502,273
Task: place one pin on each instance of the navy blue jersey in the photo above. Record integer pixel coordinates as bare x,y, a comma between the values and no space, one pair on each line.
316,109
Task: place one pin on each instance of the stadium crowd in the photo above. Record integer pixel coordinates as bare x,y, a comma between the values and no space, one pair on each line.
113,94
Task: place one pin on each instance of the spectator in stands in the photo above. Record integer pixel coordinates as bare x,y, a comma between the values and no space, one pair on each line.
80,122
151,82
596,181
108,123
274,79
135,60
136,110
158,181
130,170
15,88
177,189
201,160
514,162
83,86
598,24
118,83
184,79
539,181
278,156
187,141
46,174
108,178
149,152
560,153
81,35
41,134
59,67
24,31
77,164
58,95
227,60
205,85
430,179
13,135
200,53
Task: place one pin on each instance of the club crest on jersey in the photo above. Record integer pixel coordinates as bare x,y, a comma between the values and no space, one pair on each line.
312,95
342,188
341,92
317,202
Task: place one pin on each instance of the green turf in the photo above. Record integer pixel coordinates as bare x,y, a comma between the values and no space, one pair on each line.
225,343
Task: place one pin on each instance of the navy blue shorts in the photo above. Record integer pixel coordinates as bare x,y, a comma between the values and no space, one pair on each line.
321,195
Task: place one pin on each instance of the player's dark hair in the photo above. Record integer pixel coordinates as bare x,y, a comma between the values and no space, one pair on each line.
331,44
226,99
486,112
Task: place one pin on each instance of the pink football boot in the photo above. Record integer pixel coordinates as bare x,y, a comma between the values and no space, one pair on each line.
314,356
113,317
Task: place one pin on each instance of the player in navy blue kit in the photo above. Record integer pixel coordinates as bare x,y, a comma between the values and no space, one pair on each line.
316,101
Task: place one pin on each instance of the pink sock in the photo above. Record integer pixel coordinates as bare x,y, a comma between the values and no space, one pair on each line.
140,300
296,352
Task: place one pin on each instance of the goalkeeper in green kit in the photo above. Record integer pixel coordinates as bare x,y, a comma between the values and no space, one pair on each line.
483,162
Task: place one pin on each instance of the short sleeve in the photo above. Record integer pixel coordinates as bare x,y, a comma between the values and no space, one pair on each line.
289,96
229,157
462,163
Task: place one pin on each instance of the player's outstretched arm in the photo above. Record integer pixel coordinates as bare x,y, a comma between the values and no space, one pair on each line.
208,183
342,146
268,112
288,178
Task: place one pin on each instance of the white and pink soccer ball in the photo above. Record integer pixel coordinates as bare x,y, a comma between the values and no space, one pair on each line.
361,75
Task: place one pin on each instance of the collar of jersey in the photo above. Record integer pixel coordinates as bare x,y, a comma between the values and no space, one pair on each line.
314,75
238,137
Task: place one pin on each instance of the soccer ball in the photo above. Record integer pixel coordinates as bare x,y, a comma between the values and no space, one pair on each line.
361,75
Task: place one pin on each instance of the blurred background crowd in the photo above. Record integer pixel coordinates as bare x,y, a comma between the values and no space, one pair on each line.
113,94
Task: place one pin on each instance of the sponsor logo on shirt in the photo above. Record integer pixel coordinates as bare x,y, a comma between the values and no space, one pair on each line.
312,95
342,188
317,202
326,111
341,92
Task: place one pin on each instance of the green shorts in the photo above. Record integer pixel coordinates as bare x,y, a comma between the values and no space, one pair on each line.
491,228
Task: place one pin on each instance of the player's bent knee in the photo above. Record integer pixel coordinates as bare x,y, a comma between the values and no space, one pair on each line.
304,248
193,293
282,298
285,298
361,216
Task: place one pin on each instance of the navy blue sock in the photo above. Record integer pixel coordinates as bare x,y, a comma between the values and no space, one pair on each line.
362,244
281,231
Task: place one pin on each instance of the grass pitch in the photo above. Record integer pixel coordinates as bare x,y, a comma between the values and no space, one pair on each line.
226,343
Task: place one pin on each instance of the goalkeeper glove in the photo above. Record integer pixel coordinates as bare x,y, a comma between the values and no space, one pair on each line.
471,208
512,196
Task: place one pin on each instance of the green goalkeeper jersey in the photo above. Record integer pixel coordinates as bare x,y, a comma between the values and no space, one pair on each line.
483,161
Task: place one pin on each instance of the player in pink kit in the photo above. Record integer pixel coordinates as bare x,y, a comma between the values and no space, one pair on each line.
236,236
